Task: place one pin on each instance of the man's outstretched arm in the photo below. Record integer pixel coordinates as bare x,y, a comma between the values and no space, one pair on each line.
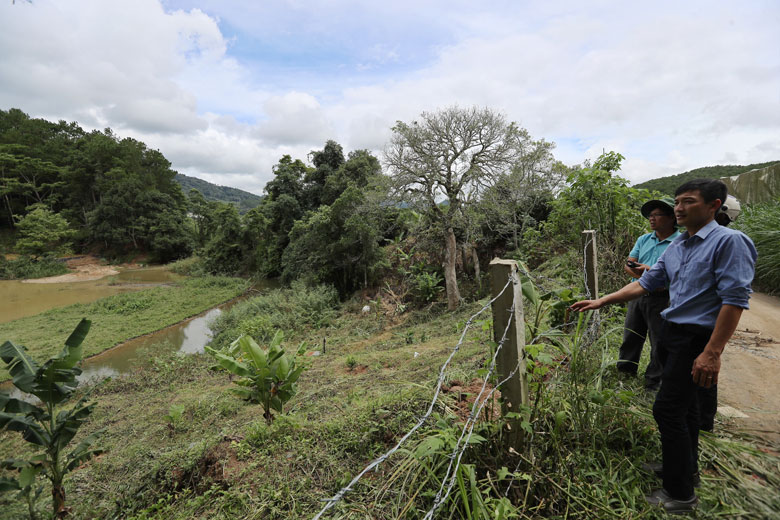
629,292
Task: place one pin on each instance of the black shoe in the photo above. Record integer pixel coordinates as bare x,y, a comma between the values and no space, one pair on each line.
658,469
673,506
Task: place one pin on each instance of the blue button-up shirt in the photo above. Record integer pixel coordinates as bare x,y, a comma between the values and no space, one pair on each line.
712,268
648,249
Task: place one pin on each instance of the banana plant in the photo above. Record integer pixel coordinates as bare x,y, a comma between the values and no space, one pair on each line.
267,376
50,430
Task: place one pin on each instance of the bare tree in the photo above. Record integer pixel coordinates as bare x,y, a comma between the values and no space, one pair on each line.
446,159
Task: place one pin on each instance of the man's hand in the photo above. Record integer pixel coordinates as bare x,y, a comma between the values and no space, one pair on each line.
638,270
706,368
587,305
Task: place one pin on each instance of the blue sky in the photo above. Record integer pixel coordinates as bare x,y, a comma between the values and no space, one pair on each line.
224,89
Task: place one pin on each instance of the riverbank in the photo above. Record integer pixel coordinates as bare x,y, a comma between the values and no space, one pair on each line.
120,317
178,444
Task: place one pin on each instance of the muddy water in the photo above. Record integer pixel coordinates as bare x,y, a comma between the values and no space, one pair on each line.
187,337
18,299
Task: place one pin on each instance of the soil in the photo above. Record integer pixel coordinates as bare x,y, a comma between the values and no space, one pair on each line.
749,380
85,268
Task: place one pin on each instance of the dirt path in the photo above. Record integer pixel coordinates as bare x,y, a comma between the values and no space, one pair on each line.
86,268
749,383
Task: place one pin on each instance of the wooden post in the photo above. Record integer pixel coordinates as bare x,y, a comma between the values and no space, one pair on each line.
591,265
514,392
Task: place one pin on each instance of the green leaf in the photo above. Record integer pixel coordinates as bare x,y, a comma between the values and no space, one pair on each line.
31,431
253,350
28,474
20,366
229,363
72,352
9,484
82,452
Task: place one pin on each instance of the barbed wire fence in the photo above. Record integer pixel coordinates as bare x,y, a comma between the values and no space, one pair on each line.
440,381
486,392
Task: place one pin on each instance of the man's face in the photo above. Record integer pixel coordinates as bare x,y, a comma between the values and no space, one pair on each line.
660,220
692,211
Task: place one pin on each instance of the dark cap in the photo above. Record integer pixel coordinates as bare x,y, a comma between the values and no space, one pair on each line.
666,204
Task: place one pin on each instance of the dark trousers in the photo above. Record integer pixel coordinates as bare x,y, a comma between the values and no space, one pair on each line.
677,406
643,316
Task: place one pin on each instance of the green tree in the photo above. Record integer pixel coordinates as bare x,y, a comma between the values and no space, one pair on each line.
42,231
597,198
224,253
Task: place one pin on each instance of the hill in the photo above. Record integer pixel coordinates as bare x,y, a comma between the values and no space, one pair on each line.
243,200
668,184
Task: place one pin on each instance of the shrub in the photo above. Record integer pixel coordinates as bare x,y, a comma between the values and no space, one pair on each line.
25,267
289,310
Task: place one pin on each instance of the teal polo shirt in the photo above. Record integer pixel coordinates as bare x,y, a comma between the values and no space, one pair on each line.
648,249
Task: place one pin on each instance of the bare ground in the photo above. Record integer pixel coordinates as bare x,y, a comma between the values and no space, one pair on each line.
85,268
749,381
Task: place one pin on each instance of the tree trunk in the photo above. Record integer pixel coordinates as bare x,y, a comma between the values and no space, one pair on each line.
58,499
450,278
10,211
475,261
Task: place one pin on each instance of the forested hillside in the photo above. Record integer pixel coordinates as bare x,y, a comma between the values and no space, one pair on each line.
668,184
63,187
243,200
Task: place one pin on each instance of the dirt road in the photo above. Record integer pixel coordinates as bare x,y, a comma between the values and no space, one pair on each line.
749,382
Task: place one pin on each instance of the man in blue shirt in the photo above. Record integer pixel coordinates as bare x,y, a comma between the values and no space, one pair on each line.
708,269
643,314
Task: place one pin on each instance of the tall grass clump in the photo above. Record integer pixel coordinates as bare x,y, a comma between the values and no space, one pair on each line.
25,267
290,310
761,222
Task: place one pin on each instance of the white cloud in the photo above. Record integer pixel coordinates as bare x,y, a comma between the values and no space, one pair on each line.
225,89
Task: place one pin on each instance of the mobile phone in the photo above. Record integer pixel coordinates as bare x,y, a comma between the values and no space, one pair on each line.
632,264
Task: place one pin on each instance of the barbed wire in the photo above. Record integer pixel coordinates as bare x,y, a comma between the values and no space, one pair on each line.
476,409
440,381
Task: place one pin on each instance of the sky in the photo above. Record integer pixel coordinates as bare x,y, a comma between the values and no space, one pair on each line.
224,89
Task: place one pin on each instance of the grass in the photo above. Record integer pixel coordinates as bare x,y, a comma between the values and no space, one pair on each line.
120,317
588,435
761,222
24,267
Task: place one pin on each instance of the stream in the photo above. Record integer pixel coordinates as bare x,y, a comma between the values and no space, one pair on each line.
186,337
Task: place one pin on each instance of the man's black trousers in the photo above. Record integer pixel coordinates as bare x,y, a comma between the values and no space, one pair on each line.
643,316
677,405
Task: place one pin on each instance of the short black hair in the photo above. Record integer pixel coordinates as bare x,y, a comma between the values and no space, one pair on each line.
710,189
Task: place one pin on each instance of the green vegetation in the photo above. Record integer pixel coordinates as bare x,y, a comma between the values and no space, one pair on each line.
761,222
287,310
242,200
214,456
24,267
92,187
268,376
123,316
667,185
52,383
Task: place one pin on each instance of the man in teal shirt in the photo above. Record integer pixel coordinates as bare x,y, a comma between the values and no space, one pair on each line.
644,314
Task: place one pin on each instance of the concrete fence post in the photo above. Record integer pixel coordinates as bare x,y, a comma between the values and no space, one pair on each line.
514,392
